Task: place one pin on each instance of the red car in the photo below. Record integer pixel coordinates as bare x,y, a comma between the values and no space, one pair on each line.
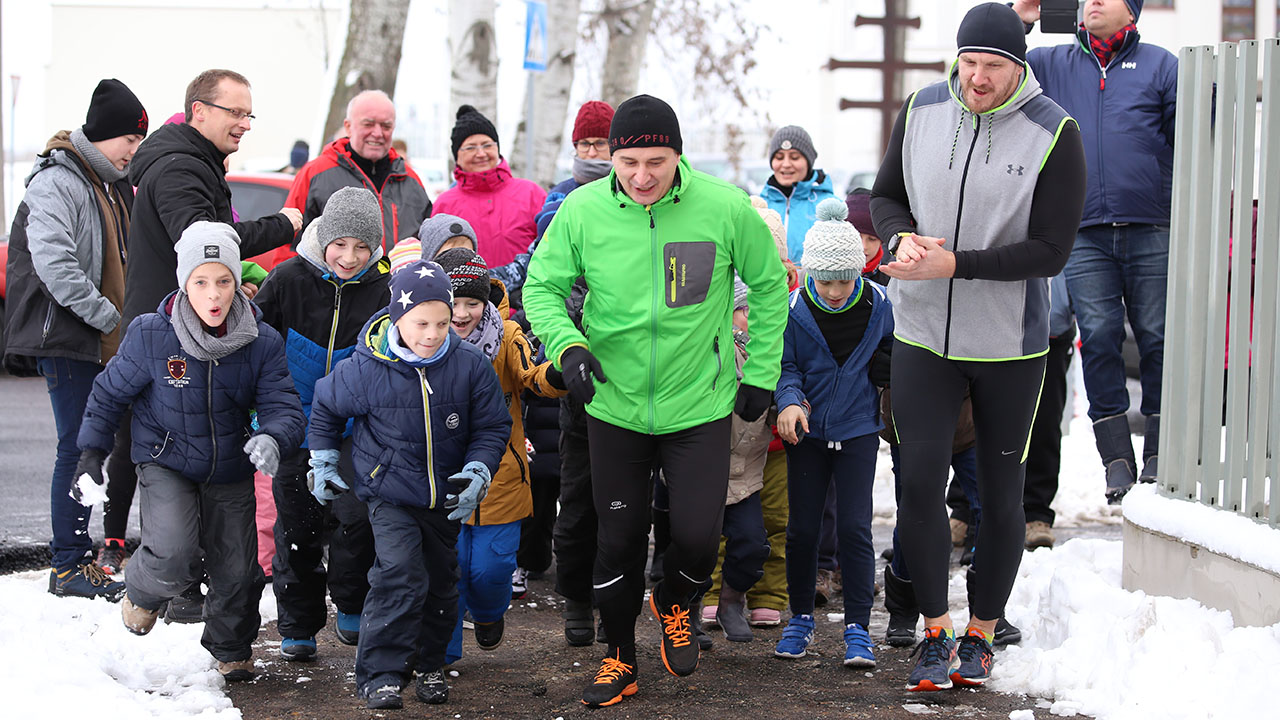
258,194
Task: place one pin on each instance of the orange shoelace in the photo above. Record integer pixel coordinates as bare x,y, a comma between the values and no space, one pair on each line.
677,626
611,670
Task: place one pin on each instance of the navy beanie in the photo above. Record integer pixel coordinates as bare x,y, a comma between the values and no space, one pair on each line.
993,28
418,282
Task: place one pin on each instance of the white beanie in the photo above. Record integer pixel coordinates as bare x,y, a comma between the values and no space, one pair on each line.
832,247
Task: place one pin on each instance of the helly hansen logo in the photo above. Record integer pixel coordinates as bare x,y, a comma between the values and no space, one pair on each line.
1128,66
211,251
1013,170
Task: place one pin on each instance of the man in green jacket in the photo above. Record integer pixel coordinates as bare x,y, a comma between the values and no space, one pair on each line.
657,244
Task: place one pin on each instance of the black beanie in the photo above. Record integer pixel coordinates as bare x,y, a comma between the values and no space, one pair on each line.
114,111
644,121
993,28
468,273
471,122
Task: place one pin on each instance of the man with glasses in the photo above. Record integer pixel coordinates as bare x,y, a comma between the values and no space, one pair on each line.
181,179
365,158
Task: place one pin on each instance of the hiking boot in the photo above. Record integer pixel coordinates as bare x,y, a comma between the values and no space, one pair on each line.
1006,634
237,670
1115,446
1150,450
765,617
138,621
1039,534
857,647
695,623
489,635
615,680
825,588
679,651
900,601
938,660
432,688
732,615
298,649
579,624
187,608
959,529
709,616
796,637
385,696
519,583
346,627
975,657
112,556
86,581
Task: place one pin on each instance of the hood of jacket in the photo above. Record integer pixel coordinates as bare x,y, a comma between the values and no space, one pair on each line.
375,337
486,181
170,139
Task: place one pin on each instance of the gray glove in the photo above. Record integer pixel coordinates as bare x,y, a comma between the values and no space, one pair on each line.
474,478
264,453
325,481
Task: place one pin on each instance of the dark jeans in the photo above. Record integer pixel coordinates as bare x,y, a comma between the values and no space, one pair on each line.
1114,272
746,546
574,535
69,383
828,538
1044,458
812,467
964,468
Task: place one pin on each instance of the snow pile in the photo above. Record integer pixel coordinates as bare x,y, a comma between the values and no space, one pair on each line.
1220,531
1099,650
61,656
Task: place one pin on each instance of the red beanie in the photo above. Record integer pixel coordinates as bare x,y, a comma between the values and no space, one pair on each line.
593,120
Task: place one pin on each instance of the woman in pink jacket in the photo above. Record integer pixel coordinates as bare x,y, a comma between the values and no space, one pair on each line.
500,207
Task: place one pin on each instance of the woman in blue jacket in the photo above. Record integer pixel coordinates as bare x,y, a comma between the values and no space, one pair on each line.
796,187
834,344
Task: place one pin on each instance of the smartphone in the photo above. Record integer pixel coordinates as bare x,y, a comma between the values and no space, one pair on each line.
1059,16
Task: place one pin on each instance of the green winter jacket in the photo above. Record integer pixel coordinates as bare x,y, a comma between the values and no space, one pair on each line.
660,307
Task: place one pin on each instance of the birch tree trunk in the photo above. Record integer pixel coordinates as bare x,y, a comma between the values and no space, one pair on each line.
371,59
550,97
473,58
628,22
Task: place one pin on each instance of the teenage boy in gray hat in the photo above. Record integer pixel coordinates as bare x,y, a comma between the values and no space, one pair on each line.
1003,171
66,287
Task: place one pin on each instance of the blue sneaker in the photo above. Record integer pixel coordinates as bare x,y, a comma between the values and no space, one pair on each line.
976,657
938,659
301,649
347,628
796,637
857,647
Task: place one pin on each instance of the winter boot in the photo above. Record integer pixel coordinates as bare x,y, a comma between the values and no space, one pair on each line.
187,608
900,601
695,623
579,625
732,615
1150,449
1116,448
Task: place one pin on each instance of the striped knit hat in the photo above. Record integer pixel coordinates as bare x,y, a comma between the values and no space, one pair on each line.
405,252
468,273
833,247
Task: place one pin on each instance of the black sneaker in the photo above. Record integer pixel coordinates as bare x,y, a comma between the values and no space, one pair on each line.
383,696
1006,634
86,581
975,657
112,556
579,623
679,651
187,608
615,680
489,635
432,688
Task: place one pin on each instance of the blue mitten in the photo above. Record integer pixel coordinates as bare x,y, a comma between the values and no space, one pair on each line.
474,479
325,481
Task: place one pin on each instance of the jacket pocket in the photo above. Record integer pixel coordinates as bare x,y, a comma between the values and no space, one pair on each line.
158,448
688,268
379,471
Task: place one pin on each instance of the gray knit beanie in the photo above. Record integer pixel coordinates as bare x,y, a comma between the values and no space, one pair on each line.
833,247
351,212
793,137
205,242
437,229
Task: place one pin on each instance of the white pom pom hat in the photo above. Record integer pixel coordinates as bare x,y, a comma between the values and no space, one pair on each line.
832,247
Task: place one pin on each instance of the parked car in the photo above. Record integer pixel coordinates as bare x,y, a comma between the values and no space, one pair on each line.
258,194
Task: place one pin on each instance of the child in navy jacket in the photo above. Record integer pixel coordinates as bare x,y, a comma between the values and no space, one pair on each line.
194,372
429,418
829,413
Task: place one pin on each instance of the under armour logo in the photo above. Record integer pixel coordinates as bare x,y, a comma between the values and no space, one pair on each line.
1011,171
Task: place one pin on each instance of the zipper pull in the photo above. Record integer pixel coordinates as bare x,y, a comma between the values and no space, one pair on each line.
1102,82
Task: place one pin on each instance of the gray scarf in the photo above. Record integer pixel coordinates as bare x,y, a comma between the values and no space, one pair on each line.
584,171
487,334
106,172
242,329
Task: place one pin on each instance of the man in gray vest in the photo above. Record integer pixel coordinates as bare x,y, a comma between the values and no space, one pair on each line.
979,196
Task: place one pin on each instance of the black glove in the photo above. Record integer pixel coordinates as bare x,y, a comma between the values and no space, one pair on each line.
752,402
555,378
90,464
578,366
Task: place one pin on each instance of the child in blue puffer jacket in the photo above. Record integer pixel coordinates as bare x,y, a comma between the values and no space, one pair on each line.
429,418
194,371
832,347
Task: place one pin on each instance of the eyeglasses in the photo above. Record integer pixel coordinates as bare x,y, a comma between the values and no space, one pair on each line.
237,114
585,145
477,148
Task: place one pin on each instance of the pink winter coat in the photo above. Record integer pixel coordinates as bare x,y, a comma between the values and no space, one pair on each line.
500,208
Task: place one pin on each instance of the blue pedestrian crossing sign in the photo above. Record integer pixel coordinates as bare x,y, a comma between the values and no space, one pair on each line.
535,35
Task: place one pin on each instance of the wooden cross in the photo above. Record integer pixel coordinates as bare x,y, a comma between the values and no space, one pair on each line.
894,23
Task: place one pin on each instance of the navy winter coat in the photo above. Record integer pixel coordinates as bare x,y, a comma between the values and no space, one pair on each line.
189,415
1125,113
414,427
844,402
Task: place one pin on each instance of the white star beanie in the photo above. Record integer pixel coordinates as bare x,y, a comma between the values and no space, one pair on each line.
832,247
418,282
